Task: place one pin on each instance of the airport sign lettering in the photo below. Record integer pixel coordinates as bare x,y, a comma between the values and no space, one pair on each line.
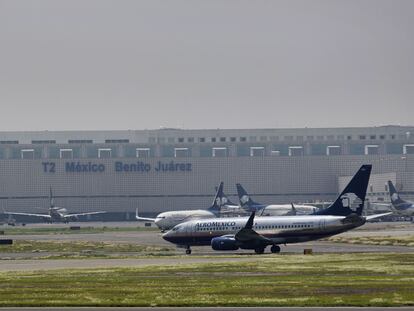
119,167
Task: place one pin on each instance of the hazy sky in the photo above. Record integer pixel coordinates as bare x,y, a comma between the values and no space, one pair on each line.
95,64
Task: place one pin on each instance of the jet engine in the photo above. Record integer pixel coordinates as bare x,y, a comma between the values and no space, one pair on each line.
224,243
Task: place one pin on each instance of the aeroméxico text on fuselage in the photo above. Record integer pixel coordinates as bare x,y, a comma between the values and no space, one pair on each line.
167,220
258,233
247,203
56,214
401,206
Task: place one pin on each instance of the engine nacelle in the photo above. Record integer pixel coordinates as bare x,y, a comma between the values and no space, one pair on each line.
224,243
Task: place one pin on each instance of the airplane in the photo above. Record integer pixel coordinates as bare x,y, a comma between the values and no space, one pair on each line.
257,233
247,203
56,214
167,220
401,206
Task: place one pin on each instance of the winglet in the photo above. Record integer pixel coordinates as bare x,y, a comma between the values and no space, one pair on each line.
249,224
137,217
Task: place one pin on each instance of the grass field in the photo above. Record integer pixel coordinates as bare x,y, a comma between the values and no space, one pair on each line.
376,240
67,230
81,249
282,280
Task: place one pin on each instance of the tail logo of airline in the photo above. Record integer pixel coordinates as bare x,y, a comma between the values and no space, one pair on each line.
221,201
244,199
351,201
394,197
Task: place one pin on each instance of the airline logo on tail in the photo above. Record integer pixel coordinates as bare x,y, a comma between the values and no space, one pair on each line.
395,197
244,199
221,201
351,201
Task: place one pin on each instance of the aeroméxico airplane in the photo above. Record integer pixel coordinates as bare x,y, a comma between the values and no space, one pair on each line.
250,233
401,206
167,220
248,204
56,214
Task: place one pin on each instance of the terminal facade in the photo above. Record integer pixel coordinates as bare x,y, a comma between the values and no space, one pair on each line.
173,169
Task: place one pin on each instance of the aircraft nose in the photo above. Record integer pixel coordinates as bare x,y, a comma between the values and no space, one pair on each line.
168,236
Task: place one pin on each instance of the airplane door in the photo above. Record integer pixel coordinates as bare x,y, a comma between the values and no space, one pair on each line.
322,224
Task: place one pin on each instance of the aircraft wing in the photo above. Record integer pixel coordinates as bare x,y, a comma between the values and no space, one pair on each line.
377,216
143,218
28,214
248,236
83,214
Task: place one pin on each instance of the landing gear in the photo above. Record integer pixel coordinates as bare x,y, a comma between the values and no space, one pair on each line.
275,249
259,250
188,250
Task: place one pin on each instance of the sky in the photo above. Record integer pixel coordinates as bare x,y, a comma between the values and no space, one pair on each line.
146,64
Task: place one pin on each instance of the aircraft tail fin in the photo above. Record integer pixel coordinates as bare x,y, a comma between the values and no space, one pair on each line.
244,198
219,198
352,198
395,197
51,199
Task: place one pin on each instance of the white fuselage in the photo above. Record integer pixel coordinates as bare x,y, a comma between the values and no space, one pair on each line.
281,230
168,220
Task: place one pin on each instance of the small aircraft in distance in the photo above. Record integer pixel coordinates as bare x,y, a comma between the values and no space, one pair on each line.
56,214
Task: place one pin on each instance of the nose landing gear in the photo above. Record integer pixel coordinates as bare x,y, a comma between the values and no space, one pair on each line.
188,250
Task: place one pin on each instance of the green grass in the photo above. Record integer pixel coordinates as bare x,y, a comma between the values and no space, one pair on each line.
282,280
376,240
82,249
67,230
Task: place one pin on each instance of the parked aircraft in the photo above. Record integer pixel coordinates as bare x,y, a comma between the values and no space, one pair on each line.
167,220
401,206
248,204
56,214
258,233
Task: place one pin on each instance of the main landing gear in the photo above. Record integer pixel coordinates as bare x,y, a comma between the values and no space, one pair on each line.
259,250
275,249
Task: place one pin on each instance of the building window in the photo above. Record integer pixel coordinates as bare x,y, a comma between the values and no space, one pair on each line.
152,140
257,151
223,139
372,137
408,149
213,139
309,138
27,154
252,138
295,151
66,153
143,152
116,141
299,138
333,150
362,137
275,153
171,140
340,137
43,141
263,138
232,139
320,137
274,138
9,142
219,152
181,139
349,137
392,136
104,153
190,139
181,152
288,138
371,149
330,137
80,141
243,139
202,140
382,137
161,140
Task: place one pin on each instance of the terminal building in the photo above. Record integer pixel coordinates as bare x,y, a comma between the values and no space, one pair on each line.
173,169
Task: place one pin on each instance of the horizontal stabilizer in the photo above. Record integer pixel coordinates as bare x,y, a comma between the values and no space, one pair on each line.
377,216
142,218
